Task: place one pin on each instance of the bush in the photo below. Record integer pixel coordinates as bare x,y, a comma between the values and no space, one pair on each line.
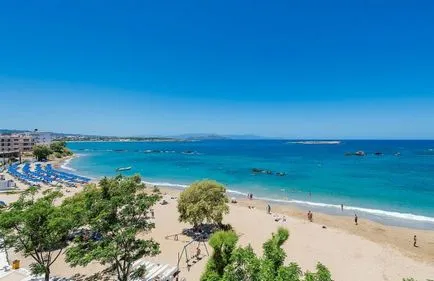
156,189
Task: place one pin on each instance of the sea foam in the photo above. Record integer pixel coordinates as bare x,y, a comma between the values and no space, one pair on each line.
65,165
377,212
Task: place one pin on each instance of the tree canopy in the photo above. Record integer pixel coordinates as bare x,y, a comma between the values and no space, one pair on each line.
58,146
41,152
113,216
37,228
59,149
203,201
229,263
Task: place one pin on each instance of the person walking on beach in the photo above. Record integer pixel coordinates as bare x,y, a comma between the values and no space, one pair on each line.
356,219
310,216
342,207
268,209
415,241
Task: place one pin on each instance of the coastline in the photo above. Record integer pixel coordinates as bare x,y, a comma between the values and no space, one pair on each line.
382,217
368,251
321,182
399,237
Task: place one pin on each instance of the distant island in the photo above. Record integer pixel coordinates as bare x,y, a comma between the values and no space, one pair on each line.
315,142
205,136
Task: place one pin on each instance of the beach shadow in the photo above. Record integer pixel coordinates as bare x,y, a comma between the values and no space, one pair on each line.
176,237
104,275
204,231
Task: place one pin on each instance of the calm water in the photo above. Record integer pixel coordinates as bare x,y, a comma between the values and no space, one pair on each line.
393,189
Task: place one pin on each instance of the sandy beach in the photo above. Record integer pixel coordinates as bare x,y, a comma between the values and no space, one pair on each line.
369,251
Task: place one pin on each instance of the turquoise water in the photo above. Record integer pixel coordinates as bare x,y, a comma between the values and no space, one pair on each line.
389,188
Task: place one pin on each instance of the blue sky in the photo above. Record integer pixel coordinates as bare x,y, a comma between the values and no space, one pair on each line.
299,69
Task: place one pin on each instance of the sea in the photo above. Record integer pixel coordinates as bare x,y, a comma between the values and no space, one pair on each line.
393,183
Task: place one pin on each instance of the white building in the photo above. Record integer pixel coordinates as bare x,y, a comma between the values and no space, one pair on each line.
41,137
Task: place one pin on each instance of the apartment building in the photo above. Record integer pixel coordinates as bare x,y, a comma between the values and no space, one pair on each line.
15,143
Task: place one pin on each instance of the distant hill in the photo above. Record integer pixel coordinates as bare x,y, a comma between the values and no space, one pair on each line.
187,137
200,137
218,137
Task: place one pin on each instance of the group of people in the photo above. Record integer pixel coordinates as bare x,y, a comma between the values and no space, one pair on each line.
356,219
310,218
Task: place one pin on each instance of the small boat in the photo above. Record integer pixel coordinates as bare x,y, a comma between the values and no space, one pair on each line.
123,169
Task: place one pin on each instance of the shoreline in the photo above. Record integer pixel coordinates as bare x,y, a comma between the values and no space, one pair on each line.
359,187
368,251
400,238
383,217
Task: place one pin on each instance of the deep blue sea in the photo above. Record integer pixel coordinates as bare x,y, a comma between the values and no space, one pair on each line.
395,188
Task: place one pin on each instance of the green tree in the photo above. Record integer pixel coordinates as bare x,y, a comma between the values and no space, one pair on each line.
115,214
59,148
37,228
289,273
223,243
41,152
244,265
204,200
321,274
274,255
230,264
